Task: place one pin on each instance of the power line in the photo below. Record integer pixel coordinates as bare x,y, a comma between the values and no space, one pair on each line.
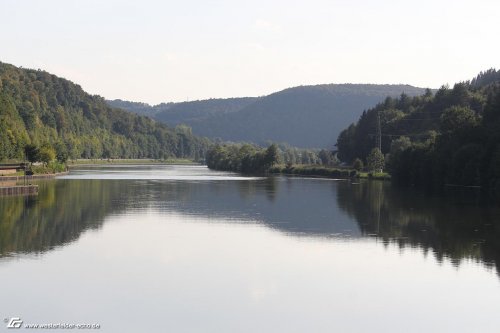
435,111
418,119
397,135
379,133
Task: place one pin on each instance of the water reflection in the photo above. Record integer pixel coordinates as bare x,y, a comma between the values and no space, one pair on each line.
455,227
58,215
65,208
458,225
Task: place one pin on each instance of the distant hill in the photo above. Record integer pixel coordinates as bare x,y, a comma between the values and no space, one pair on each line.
305,116
185,112
38,108
139,108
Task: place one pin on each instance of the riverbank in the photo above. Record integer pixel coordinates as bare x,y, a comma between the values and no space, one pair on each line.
326,172
32,177
374,175
173,161
313,171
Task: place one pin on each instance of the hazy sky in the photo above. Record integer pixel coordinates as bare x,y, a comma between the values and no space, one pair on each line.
159,51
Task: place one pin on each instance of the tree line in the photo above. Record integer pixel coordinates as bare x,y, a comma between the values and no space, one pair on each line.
242,158
249,158
450,137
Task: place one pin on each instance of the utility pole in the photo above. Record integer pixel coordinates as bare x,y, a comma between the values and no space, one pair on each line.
25,167
378,138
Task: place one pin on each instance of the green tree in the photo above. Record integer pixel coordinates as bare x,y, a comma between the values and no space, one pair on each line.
397,147
47,154
456,118
271,156
357,164
32,153
400,144
61,152
326,157
375,160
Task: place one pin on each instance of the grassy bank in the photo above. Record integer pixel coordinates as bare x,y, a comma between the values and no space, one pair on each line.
314,171
322,171
39,169
374,175
182,161
50,168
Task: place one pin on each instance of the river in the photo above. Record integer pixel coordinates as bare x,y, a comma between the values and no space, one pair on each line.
149,248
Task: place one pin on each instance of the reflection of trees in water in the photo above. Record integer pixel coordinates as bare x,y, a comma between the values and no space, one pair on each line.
61,211
64,209
455,226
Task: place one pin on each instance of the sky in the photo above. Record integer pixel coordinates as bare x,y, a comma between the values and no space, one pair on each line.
170,51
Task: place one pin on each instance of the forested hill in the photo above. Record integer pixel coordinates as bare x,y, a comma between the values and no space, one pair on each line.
305,116
186,112
42,109
452,137
142,109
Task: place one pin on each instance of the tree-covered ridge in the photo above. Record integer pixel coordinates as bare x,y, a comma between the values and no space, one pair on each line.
485,78
198,111
140,108
185,112
452,137
304,116
42,109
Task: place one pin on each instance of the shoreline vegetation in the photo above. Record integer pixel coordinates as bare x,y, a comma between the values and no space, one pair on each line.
55,168
313,171
170,161
50,168
250,159
327,172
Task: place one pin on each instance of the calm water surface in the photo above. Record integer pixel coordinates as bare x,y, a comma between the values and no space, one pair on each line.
185,249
